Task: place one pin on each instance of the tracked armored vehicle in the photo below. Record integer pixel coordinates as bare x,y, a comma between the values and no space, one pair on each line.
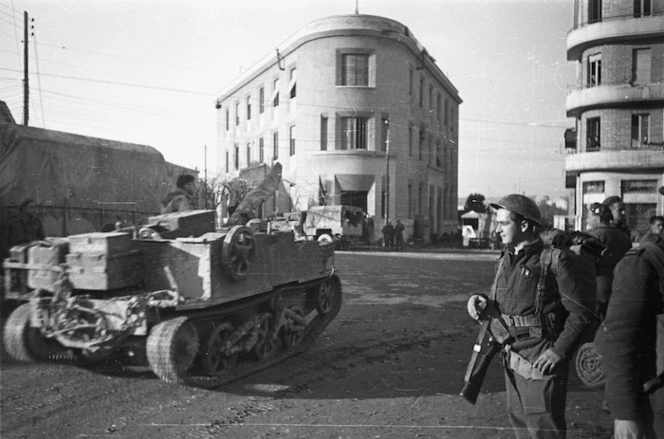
198,305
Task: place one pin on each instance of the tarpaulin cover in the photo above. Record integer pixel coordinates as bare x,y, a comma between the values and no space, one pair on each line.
60,168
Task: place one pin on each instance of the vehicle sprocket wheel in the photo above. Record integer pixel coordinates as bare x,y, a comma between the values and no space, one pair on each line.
293,333
26,343
589,366
323,298
265,344
215,358
172,347
238,252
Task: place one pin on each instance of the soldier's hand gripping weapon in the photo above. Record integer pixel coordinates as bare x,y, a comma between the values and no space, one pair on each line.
492,337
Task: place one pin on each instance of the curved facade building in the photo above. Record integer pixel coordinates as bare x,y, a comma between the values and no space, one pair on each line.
618,106
329,104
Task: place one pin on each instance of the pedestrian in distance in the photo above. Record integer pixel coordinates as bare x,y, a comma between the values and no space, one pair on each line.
398,235
611,233
388,235
631,342
182,198
545,310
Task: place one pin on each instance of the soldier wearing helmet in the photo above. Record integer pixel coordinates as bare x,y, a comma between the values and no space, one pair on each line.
631,341
542,304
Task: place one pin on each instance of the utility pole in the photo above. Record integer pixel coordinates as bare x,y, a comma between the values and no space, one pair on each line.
387,173
26,87
205,174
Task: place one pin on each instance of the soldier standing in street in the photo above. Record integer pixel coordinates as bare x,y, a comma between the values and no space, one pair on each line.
631,340
611,233
388,234
545,310
398,235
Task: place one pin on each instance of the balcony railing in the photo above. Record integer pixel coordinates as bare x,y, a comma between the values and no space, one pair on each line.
606,18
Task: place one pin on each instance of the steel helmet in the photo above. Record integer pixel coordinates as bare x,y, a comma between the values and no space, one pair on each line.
522,205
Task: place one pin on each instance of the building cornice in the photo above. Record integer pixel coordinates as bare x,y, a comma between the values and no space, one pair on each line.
342,26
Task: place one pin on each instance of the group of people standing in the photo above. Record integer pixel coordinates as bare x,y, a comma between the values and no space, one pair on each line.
393,235
543,301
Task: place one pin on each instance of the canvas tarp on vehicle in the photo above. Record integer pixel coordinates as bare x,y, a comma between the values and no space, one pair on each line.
71,176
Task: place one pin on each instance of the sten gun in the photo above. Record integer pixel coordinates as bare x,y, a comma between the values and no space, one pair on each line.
492,337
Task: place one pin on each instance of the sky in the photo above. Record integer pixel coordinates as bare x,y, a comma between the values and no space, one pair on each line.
149,71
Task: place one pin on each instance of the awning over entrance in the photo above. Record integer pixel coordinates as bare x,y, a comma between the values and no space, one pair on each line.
355,182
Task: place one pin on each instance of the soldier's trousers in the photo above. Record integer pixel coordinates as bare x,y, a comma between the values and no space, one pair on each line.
536,408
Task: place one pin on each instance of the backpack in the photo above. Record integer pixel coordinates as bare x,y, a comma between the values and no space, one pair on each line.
585,251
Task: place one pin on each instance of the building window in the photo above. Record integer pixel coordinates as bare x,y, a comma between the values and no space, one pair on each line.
410,200
385,133
237,113
438,160
593,187
261,100
419,198
640,130
593,134
292,140
248,107
431,97
292,85
323,133
248,154
355,69
275,145
438,107
261,150
594,70
452,119
447,110
227,164
594,11
275,93
237,156
410,141
638,186
423,135
410,81
641,66
421,91
354,132
228,118
641,8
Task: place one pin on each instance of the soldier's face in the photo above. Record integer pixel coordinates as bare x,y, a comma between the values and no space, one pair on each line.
510,232
657,227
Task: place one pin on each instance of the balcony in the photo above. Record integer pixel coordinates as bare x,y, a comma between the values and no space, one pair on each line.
624,160
603,96
613,29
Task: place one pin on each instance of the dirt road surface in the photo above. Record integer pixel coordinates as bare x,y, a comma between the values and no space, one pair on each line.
391,365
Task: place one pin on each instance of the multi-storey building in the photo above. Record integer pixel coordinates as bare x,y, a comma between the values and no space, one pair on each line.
358,113
618,106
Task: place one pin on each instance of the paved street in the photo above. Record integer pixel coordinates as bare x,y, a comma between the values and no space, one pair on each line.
391,365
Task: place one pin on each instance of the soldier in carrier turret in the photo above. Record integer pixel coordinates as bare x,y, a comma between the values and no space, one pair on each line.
182,198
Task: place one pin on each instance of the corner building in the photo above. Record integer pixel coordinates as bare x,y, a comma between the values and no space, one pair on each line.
329,104
618,105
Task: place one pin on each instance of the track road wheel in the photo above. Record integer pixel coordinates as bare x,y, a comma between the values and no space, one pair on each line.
589,366
293,333
324,297
25,343
171,348
215,359
265,344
